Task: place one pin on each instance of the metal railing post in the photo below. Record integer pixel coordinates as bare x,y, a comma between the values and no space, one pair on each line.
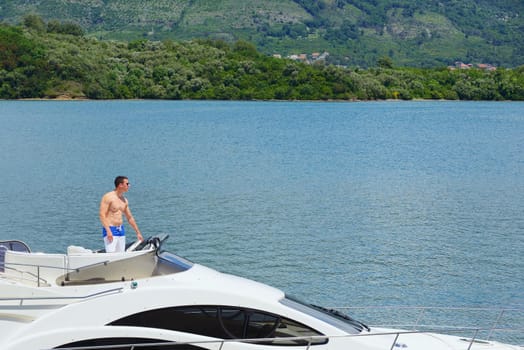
394,341
419,318
496,323
473,339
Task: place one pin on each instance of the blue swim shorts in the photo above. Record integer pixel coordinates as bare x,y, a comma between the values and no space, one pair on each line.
115,230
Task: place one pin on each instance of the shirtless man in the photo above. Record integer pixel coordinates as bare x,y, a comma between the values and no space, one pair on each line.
112,206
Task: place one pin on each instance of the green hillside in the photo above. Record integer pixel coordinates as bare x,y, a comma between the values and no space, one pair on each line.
56,60
354,32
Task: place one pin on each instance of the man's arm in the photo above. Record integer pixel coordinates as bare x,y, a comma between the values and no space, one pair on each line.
132,222
104,208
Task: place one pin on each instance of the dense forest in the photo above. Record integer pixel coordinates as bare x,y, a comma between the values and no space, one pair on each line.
56,60
431,33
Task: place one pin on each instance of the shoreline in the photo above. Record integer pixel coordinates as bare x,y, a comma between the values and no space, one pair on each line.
65,98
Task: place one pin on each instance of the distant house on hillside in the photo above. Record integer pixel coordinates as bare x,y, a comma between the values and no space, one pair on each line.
486,66
314,57
483,66
461,65
323,56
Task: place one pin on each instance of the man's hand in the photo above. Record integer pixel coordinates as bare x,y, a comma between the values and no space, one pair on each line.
110,237
139,236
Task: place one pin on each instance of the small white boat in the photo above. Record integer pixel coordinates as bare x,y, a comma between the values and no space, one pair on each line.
147,298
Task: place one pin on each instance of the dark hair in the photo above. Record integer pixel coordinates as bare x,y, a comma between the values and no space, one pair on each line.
119,180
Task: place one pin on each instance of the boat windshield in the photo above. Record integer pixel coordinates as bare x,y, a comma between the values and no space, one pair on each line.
14,245
330,316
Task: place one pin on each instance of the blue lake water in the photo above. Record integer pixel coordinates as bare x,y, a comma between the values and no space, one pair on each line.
378,203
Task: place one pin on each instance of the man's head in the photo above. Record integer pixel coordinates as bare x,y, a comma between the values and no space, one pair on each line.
121,180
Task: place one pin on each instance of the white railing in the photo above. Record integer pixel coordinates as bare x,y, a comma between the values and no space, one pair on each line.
501,324
21,301
18,271
497,321
308,341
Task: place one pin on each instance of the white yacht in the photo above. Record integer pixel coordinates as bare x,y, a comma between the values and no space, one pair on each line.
147,298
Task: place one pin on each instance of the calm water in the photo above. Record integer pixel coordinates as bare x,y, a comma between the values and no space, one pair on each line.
411,203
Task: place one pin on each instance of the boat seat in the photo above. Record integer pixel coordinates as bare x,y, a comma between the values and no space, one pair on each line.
74,249
34,267
108,267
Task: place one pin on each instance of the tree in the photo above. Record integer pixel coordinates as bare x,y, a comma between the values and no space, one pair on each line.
70,28
385,62
34,22
245,49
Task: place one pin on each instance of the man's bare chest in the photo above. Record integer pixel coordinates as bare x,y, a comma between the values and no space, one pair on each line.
117,204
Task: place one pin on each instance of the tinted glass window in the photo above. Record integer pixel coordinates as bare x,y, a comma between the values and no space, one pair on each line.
233,322
201,320
261,325
127,344
224,322
288,328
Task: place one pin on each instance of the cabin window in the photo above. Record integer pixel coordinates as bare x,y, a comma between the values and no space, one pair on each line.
128,344
225,322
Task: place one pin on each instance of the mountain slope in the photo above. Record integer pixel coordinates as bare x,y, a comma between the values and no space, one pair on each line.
354,32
